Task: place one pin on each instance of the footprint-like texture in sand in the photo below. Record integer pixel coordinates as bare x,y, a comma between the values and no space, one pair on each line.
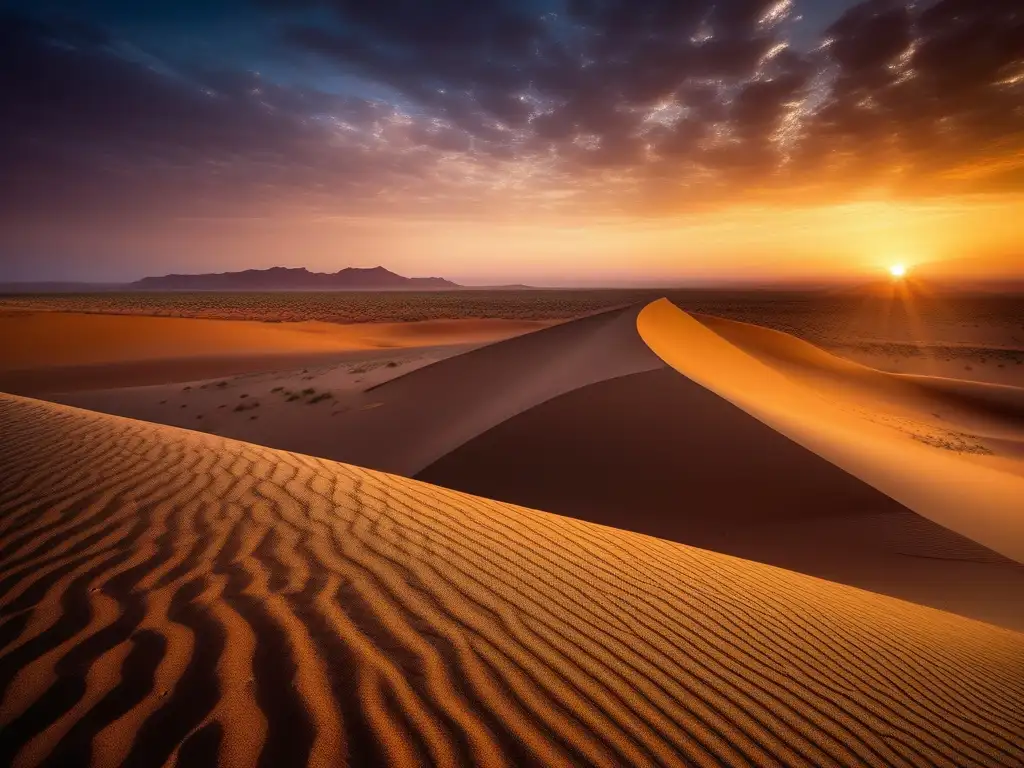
173,597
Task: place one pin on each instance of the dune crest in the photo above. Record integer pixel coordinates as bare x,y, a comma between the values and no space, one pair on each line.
988,410
170,596
408,422
980,502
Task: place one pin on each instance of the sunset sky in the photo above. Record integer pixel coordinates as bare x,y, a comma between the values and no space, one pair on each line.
568,142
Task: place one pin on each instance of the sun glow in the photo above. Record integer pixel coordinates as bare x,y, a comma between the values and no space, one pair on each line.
898,271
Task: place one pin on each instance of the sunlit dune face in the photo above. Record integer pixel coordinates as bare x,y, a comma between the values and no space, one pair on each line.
898,271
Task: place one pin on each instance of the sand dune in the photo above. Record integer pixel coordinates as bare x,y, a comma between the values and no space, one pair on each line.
982,408
403,418
658,454
410,421
170,596
47,352
980,502
583,419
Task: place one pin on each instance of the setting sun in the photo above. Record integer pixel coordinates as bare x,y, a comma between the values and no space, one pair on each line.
898,271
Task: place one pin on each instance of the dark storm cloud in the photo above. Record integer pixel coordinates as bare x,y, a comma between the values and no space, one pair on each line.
618,102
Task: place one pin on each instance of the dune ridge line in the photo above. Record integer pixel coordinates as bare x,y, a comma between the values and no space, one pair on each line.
981,503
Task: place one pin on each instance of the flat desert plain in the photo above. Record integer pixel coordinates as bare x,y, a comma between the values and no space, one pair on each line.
753,550
904,328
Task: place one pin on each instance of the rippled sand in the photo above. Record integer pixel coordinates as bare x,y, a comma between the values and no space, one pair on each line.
173,596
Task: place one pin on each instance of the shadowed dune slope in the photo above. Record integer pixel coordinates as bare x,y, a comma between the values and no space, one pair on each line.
413,418
658,454
409,422
980,502
170,596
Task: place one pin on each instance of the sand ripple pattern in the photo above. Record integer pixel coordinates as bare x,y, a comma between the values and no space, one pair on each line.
169,597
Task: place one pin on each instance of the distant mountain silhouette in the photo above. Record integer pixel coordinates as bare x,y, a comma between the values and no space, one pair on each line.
297,279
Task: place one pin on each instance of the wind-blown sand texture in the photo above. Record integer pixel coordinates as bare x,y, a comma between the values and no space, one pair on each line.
170,596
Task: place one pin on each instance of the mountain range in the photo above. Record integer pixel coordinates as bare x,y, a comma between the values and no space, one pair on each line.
293,279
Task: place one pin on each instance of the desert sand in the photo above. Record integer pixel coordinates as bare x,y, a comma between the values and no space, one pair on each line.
173,596
584,419
409,422
67,351
934,480
905,327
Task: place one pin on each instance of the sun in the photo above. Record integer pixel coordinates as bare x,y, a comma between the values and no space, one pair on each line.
898,271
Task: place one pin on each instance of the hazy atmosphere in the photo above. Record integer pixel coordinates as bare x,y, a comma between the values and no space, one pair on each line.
551,142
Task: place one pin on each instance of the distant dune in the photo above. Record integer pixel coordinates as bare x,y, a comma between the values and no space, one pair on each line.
289,279
65,351
174,596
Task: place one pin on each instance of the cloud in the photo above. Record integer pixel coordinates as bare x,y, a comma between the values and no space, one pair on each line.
89,129
581,106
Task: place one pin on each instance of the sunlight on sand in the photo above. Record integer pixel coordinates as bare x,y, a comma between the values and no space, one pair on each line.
270,607
979,502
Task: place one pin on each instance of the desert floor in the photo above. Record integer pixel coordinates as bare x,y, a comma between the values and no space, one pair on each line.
65,351
761,552
906,327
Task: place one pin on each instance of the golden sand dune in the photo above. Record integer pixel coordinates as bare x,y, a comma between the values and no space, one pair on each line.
980,502
170,596
583,419
985,409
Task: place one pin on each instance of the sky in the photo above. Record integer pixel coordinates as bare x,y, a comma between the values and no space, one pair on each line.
550,142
